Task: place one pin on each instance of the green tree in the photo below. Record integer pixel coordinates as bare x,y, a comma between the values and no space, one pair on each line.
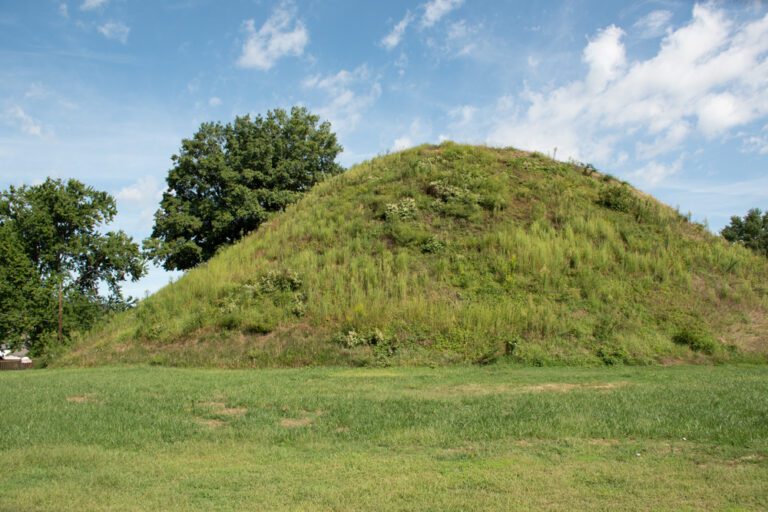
751,231
55,259
227,180
23,295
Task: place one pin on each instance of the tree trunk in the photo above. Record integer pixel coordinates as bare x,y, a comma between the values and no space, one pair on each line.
61,313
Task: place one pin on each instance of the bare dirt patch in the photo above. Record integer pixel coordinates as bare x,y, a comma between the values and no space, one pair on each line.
363,373
306,419
748,459
562,387
296,422
477,389
82,399
603,442
211,423
221,408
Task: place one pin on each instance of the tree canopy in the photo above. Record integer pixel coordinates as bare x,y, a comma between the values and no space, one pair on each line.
751,231
54,256
227,180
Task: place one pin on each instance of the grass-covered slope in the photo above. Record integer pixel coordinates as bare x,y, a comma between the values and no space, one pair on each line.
456,253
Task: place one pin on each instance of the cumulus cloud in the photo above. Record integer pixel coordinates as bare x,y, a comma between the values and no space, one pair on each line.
145,189
391,40
417,133
402,143
435,10
708,78
115,31
214,101
89,5
141,199
653,24
350,94
605,57
757,143
280,36
18,117
655,172
457,34
63,10
463,115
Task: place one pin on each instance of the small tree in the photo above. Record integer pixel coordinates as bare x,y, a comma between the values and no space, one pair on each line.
227,180
751,231
50,240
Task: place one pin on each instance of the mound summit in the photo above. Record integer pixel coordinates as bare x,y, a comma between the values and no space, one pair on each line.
456,253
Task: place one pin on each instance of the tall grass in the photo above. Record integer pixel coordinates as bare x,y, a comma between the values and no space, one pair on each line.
457,253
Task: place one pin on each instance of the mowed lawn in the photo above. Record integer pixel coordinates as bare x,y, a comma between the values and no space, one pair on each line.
469,438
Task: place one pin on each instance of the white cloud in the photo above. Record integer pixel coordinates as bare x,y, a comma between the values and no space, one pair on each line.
418,132
214,101
402,143
146,189
606,58
115,31
435,10
756,143
350,94
281,35
36,90
653,24
655,172
708,77
719,112
463,115
664,143
141,199
16,116
89,5
391,40
461,39
63,10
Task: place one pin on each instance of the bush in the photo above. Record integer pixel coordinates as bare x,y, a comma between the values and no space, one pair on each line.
432,245
696,339
383,346
617,198
612,355
283,281
404,210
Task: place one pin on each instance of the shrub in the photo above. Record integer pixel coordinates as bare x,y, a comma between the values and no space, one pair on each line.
617,198
612,355
382,345
445,192
432,245
404,210
697,340
282,281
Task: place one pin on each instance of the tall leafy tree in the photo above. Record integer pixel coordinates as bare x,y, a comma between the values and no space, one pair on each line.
23,296
50,234
227,180
751,231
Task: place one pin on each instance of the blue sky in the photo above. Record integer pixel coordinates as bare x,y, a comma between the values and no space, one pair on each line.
671,96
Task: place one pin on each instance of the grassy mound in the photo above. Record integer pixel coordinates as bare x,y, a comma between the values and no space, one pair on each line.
455,253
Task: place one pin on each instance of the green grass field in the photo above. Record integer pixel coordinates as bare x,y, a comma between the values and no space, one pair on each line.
500,437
